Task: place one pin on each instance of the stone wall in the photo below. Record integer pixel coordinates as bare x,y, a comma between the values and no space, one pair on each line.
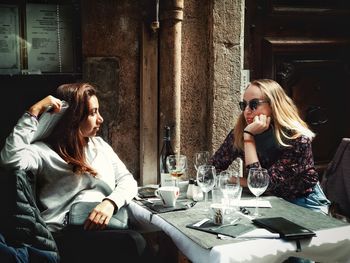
211,71
196,79
212,60
227,28
111,29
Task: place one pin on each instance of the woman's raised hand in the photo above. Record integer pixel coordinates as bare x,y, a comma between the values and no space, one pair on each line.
260,124
42,105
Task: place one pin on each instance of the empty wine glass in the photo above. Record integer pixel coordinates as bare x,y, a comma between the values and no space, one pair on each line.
258,181
176,165
201,158
206,180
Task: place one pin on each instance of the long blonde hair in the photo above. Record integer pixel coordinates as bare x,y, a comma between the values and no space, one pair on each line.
287,123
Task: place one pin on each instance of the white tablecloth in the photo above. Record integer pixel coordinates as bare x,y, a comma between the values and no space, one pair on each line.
329,246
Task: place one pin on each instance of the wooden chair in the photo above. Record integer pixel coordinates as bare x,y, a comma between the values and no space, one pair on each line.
336,182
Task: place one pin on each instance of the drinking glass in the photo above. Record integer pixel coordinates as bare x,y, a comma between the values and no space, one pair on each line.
206,180
233,195
201,158
176,165
258,181
228,182
228,177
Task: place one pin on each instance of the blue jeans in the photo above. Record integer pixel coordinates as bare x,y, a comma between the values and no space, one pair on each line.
24,254
316,200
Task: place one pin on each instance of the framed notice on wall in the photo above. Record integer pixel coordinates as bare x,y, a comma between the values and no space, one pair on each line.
9,40
49,38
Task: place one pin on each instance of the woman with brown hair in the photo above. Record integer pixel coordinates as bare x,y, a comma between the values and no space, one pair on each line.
72,165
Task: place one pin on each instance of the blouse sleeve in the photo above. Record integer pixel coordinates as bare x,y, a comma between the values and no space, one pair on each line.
226,154
18,151
293,175
125,184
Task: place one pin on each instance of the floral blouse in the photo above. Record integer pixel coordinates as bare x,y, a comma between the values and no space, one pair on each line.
292,173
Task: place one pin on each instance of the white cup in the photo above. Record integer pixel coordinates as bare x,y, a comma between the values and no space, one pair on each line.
168,195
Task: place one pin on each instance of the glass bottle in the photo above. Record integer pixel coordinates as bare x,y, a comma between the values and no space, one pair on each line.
164,177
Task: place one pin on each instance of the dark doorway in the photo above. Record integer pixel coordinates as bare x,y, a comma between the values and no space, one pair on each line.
305,46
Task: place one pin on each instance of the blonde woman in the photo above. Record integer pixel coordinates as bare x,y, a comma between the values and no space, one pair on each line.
270,134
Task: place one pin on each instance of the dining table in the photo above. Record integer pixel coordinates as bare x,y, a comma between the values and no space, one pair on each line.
248,243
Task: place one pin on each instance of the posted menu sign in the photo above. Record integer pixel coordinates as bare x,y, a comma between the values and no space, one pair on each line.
9,40
49,39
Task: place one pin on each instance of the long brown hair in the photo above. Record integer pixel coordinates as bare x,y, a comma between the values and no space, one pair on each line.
67,139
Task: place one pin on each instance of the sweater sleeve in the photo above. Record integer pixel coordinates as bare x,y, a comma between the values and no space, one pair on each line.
226,154
293,175
125,184
18,152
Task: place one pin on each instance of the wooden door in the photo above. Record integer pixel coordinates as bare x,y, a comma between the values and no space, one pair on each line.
305,46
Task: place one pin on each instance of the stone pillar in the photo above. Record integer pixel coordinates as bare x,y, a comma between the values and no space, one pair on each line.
226,67
171,17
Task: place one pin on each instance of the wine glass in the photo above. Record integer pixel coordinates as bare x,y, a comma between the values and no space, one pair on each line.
206,180
258,181
176,165
201,158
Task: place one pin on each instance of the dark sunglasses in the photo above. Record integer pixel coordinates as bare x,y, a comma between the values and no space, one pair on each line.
253,104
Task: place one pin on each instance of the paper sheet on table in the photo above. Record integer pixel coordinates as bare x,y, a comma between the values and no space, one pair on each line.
260,233
252,203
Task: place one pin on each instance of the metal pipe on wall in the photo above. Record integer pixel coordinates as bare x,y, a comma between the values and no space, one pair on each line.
155,22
